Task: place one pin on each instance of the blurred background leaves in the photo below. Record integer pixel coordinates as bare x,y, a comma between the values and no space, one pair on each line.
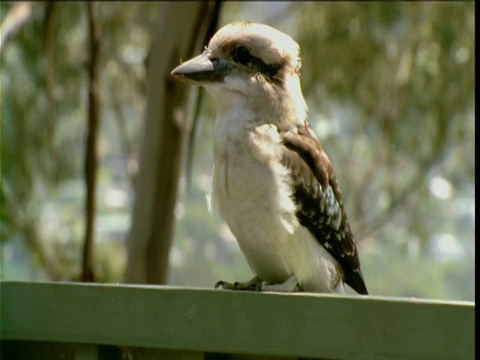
390,89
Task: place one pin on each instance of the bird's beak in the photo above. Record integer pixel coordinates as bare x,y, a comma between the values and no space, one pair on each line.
201,70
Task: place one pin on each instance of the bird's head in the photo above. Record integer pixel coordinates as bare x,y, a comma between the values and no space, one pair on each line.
248,65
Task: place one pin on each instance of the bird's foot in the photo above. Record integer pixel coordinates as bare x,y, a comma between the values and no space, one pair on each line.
254,284
290,285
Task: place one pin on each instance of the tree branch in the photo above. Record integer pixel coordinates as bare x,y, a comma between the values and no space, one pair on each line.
48,42
16,18
212,27
91,157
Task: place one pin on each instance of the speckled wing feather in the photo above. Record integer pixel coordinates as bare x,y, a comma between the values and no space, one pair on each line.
319,202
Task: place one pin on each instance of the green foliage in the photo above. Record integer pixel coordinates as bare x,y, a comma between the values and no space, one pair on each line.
390,89
44,98
394,85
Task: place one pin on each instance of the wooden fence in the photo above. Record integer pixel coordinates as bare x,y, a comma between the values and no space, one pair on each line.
108,321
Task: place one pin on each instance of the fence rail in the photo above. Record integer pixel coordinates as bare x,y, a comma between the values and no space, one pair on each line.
108,321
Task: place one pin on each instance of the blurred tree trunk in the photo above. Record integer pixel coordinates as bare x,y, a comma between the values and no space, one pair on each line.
91,156
180,35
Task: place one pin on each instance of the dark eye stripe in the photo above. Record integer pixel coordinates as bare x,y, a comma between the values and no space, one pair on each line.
270,70
242,55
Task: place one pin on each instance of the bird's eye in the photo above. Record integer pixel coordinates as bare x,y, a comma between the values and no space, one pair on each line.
242,55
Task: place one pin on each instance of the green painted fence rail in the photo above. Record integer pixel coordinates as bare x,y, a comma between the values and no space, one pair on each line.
108,321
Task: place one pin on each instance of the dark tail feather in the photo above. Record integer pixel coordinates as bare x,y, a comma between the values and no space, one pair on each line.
355,280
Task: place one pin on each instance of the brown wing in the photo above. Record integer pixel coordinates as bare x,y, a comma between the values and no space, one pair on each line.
319,202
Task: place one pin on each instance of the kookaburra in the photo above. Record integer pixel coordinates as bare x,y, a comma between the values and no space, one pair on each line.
272,182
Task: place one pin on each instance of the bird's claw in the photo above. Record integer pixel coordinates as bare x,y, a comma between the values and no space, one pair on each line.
298,288
290,285
254,284
222,285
